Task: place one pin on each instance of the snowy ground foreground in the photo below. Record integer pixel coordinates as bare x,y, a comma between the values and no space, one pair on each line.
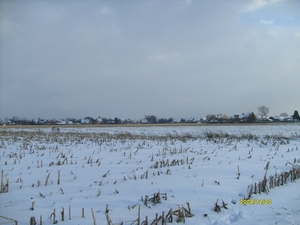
29,155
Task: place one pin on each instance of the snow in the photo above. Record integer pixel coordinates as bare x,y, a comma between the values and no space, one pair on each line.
108,165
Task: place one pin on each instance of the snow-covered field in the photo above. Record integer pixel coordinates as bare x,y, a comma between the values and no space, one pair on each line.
89,168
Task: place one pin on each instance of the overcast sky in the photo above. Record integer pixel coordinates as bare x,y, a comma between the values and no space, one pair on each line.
131,58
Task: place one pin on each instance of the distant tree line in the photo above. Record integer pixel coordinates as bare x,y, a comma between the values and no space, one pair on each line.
262,113
296,115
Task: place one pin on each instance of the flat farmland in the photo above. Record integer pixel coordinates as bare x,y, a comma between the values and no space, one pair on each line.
220,174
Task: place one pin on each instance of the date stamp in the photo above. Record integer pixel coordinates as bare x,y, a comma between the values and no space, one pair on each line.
256,201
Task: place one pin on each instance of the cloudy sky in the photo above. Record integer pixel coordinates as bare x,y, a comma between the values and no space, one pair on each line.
131,58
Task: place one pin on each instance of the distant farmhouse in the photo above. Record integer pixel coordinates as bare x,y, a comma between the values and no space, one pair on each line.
177,120
144,121
221,118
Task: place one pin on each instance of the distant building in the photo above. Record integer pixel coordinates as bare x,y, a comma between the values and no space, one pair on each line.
197,120
99,120
144,121
177,120
221,118
247,117
189,120
85,121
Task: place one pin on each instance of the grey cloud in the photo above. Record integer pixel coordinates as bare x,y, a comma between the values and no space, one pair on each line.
131,58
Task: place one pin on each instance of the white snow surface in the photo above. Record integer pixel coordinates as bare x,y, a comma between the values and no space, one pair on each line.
98,169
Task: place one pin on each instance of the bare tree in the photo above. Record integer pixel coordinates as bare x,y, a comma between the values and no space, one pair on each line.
210,117
151,118
283,114
263,111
